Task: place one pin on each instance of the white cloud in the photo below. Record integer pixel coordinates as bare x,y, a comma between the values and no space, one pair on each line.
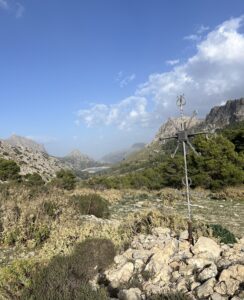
215,73
4,4
124,115
124,80
172,62
20,9
198,35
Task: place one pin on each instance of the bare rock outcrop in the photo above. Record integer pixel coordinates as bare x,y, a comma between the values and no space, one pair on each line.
158,264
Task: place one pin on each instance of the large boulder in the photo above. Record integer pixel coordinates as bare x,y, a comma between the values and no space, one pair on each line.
207,289
232,278
161,257
206,248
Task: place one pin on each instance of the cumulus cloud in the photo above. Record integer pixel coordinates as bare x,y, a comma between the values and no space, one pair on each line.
124,114
213,74
4,4
124,80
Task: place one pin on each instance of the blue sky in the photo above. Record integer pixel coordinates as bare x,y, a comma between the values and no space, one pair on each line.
100,75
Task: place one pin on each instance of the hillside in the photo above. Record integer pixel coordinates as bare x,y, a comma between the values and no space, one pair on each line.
77,161
220,163
218,117
118,156
20,141
31,160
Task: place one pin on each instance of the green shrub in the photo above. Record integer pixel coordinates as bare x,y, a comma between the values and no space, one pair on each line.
50,208
15,278
66,277
11,237
91,204
38,233
65,179
170,296
34,179
9,170
41,234
223,234
219,164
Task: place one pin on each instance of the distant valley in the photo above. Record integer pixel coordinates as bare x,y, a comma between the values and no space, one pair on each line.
32,157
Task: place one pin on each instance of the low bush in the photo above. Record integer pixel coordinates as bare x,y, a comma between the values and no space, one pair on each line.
34,179
66,277
50,208
223,234
41,234
9,170
15,278
11,237
91,204
65,179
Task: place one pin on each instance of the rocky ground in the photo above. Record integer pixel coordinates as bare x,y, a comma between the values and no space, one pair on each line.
163,262
225,207
158,259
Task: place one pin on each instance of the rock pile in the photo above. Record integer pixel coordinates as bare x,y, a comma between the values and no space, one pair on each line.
162,262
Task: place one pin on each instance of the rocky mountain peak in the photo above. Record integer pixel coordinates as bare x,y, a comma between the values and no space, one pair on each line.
77,155
231,112
24,142
172,125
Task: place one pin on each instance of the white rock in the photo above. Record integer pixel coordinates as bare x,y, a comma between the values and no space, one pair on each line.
217,296
208,273
175,275
206,289
198,262
221,288
163,276
141,254
194,285
232,277
160,231
184,250
120,259
161,257
121,275
184,235
207,248
182,285
139,264
186,270
131,294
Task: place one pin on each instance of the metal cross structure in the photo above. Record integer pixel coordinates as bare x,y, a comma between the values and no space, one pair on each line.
182,136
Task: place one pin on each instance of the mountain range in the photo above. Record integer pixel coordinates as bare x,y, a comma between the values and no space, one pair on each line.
33,157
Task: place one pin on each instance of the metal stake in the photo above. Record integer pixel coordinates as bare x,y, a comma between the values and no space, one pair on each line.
182,136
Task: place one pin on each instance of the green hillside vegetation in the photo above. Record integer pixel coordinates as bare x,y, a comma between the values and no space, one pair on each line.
220,164
9,170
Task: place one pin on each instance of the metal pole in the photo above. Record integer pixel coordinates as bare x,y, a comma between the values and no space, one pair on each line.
190,238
